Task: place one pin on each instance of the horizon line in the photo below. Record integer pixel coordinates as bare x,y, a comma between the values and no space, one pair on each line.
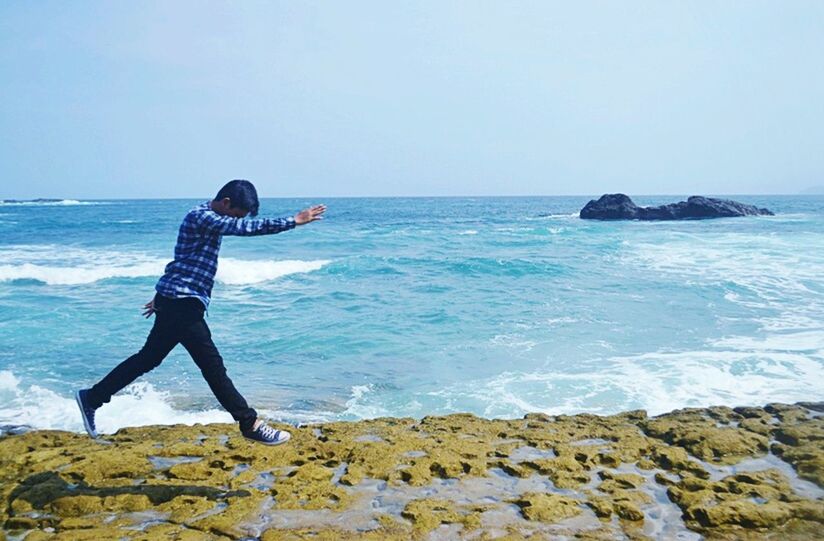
402,196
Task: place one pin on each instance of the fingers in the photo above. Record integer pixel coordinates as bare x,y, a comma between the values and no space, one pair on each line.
310,214
314,213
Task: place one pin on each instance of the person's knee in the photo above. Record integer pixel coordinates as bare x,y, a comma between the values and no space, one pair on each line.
150,359
213,371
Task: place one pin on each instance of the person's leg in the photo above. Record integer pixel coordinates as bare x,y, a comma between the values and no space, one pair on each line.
162,339
198,342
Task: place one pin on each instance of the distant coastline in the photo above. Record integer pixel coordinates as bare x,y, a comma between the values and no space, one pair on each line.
39,200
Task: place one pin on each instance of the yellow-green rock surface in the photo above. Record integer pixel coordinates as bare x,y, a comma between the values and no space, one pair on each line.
714,473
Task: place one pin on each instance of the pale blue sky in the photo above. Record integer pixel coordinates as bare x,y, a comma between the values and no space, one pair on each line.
172,98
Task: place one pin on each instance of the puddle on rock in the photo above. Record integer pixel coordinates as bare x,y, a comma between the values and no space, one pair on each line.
377,497
802,487
238,469
527,452
166,462
662,517
338,473
220,506
263,482
370,438
141,520
589,441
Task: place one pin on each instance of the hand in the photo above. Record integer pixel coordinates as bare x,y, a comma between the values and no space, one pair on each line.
310,214
149,308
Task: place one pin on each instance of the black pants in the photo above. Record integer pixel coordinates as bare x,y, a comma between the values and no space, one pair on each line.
178,321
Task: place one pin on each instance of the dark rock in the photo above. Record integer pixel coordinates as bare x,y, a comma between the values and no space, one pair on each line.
39,200
618,206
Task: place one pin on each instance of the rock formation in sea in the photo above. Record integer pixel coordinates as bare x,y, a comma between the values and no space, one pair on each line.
617,206
719,472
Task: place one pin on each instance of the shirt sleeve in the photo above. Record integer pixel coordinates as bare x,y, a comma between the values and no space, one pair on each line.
214,223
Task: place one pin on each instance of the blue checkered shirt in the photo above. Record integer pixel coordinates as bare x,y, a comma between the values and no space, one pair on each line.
192,273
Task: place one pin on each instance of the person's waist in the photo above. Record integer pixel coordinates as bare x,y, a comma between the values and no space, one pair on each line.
178,282
185,303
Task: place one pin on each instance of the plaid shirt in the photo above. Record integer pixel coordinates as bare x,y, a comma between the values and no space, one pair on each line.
192,273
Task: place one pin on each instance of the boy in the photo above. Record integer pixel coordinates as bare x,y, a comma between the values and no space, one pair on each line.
183,294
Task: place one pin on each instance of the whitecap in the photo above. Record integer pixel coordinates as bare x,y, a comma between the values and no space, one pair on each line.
56,203
54,265
76,275
360,406
242,272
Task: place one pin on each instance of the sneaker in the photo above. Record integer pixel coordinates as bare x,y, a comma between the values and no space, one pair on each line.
86,412
267,435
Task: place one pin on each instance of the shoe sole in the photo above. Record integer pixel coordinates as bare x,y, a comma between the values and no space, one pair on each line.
89,429
284,440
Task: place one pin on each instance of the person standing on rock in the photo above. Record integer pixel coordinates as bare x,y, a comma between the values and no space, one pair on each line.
182,296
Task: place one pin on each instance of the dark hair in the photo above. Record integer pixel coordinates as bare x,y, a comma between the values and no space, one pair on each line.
242,195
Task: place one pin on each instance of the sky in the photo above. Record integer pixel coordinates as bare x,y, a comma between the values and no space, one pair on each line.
123,99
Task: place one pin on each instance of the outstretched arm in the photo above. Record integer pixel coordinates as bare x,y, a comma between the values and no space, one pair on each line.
215,223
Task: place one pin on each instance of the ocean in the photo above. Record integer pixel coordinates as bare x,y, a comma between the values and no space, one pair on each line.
496,306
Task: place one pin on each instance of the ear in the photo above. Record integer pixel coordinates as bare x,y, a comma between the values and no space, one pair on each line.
226,202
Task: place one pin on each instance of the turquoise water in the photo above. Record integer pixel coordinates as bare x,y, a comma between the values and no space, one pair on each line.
496,306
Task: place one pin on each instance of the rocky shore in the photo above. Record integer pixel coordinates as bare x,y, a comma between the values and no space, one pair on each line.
714,473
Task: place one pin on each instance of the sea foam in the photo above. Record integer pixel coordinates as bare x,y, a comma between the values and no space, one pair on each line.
60,266
241,272
139,404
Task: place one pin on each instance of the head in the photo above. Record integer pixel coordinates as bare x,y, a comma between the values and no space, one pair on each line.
237,198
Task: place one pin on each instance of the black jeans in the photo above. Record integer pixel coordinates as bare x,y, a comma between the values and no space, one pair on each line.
178,321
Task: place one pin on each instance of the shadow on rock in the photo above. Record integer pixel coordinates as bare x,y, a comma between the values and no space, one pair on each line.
42,489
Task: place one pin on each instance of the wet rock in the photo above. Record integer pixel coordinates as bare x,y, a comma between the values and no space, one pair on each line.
801,438
622,480
427,514
762,499
678,460
310,487
449,476
602,506
628,511
700,435
547,507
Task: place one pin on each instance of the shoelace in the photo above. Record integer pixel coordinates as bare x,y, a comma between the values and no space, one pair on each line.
268,432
